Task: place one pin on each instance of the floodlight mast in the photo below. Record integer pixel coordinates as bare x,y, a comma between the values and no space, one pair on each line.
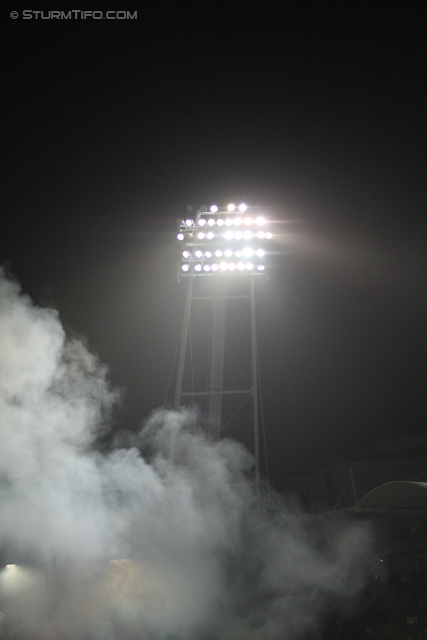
229,244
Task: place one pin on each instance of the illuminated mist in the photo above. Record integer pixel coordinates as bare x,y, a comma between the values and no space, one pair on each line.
109,546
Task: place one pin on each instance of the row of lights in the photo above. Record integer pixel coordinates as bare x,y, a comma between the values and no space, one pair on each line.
223,266
230,207
228,253
211,222
230,235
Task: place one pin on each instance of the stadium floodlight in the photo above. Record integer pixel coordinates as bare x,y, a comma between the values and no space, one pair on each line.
221,240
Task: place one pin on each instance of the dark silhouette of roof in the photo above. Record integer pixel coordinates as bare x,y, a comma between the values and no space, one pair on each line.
400,496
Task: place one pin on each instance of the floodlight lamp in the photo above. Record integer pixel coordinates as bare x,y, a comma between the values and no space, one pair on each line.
223,266
247,235
189,223
186,254
180,236
220,222
242,207
228,235
260,267
268,235
208,254
214,267
249,266
228,253
247,252
238,254
200,235
218,253
237,221
248,221
198,267
240,266
238,235
260,253
260,221
210,235
228,222
260,234
211,222
202,222
214,208
206,267
231,266
198,253
185,267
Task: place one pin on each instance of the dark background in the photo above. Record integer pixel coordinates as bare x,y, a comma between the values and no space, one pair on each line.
112,128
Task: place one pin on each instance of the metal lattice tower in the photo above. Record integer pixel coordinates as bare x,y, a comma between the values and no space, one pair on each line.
222,254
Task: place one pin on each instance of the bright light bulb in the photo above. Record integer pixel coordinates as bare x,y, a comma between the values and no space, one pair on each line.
218,253
231,207
260,221
211,222
180,236
202,222
242,207
248,221
231,266
228,222
247,235
201,235
214,208
260,267
228,253
206,267
223,266
228,235
260,234
208,254
238,235
185,267
249,266
237,221
189,223
186,254
238,254
210,235
247,252
260,253
198,253
268,235
214,267
198,267
220,222
240,266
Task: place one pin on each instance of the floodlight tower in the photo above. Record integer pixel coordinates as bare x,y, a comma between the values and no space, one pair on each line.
225,247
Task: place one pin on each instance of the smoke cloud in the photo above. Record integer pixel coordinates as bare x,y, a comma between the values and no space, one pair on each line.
117,545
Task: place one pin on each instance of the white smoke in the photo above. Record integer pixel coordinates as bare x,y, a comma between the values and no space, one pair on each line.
111,546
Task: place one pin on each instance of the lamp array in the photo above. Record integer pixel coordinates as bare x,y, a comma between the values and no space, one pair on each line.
223,240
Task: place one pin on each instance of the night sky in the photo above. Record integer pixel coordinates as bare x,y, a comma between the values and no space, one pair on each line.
113,127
